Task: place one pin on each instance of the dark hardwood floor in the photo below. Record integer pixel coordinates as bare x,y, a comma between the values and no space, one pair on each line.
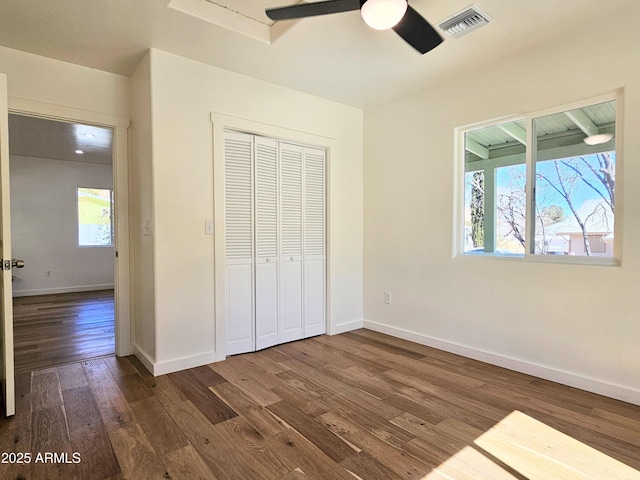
357,405
58,329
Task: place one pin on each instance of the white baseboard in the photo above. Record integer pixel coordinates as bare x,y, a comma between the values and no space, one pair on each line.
54,291
346,327
600,387
143,356
162,368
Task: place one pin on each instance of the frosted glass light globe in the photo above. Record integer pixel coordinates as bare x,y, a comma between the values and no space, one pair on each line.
383,14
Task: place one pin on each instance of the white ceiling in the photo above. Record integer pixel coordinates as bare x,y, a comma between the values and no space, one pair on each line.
56,140
336,56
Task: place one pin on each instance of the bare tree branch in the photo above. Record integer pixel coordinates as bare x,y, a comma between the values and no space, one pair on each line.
588,183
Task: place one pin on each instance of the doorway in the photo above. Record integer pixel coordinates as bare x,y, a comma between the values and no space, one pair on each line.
62,214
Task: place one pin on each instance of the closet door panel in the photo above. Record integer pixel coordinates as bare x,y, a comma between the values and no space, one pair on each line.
291,301
291,226
239,308
314,242
239,243
266,228
314,314
266,304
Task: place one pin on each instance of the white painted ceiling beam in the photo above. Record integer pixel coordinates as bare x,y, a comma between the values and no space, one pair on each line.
477,149
515,131
583,122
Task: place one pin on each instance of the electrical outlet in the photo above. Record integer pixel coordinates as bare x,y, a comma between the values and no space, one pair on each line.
47,273
387,298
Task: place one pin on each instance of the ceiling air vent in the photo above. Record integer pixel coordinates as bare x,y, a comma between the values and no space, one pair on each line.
463,22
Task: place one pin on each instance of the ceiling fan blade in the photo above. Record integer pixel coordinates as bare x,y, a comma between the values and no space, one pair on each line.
312,9
417,32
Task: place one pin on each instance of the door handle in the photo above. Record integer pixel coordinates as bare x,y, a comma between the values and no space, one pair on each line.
15,263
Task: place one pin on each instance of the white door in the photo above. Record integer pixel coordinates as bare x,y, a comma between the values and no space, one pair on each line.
266,228
314,242
290,279
6,297
239,304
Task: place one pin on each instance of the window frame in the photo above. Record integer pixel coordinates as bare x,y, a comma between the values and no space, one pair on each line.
530,151
112,217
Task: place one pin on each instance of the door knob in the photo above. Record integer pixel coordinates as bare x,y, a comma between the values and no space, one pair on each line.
17,263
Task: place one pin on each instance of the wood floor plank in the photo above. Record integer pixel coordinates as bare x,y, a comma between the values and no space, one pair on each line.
221,458
251,387
132,387
266,363
445,409
49,435
186,464
296,474
212,407
71,376
343,391
255,414
113,407
88,435
45,391
451,395
301,454
367,467
333,446
162,432
331,356
15,432
396,460
120,366
136,457
166,392
307,396
207,376
252,448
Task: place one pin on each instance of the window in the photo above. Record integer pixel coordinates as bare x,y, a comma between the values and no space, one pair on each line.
571,165
95,217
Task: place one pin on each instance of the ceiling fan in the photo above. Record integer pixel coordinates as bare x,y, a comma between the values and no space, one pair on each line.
378,14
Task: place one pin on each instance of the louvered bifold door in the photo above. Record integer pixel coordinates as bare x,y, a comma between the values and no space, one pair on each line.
239,244
314,242
266,234
290,274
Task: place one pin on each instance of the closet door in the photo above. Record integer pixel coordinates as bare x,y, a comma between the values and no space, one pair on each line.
314,242
266,229
239,237
290,275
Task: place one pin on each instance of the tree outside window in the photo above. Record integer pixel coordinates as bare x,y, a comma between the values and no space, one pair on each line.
95,217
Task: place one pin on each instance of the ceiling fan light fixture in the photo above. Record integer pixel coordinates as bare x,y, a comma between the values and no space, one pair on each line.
598,139
383,14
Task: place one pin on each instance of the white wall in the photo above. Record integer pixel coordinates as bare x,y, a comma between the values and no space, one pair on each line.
35,78
576,324
141,195
184,93
44,228
44,86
